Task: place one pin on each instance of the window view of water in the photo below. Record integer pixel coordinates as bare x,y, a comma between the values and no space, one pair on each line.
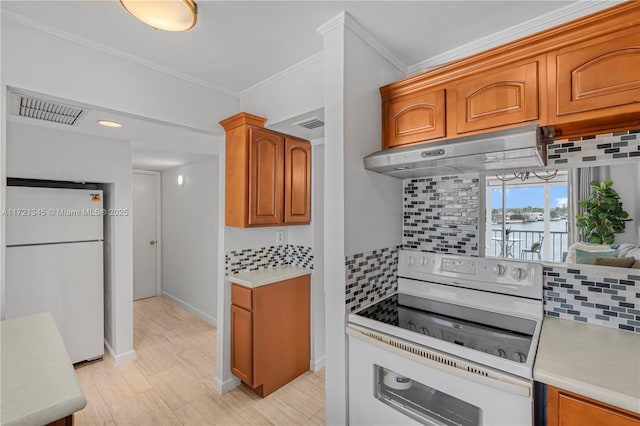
534,215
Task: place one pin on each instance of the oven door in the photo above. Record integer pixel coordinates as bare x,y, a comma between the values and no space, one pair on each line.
394,382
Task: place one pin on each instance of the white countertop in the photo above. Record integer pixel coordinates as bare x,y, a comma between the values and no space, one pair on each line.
253,279
39,384
597,362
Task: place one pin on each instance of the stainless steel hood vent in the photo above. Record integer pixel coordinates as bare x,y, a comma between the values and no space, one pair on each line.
523,147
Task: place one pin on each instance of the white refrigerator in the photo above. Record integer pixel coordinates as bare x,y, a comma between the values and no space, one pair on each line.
54,262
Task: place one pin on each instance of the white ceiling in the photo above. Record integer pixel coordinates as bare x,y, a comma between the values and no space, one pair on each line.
238,44
155,145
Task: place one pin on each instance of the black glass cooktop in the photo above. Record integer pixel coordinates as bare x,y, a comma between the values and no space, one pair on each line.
497,334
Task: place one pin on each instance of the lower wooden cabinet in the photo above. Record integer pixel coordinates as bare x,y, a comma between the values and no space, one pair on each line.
65,421
565,408
270,329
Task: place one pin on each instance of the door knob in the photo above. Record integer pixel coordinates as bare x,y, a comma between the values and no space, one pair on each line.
152,242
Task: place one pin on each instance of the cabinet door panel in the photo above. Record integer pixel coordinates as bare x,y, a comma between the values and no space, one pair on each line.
568,409
242,344
501,97
266,170
594,76
297,183
281,332
415,119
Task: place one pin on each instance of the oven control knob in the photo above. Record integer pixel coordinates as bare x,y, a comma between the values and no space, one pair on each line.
411,260
412,326
424,261
425,331
499,270
519,356
519,274
500,352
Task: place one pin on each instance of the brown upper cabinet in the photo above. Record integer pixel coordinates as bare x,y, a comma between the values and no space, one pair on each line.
596,77
266,169
498,97
582,77
297,181
268,175
414,118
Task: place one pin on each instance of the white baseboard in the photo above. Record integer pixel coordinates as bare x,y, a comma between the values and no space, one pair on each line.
318,364
120,358
227,385
195,311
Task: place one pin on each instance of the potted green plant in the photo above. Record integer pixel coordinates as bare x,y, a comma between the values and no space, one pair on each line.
602,216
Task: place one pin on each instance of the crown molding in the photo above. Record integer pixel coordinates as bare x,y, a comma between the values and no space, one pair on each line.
345,19
305,63
333,23
540,23
73,38
351,23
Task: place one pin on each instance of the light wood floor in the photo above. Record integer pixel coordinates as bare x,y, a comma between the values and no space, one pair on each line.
169,383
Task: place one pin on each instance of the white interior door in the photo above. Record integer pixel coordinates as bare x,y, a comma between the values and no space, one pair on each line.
145,235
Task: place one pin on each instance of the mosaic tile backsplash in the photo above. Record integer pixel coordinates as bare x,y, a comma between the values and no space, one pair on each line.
606,298
582,151
371,276
441,214
610,299
254,259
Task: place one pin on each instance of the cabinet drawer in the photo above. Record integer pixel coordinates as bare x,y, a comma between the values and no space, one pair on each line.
241,296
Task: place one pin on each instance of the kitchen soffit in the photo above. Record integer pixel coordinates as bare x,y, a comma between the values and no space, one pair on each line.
276,35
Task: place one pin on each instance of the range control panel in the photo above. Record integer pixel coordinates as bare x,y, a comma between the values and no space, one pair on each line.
514,277
460,266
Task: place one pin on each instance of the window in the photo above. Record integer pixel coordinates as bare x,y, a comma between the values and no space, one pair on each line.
526,216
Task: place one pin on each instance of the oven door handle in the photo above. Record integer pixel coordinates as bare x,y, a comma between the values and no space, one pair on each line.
444,362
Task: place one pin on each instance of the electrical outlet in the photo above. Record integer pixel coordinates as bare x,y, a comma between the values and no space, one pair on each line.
279,238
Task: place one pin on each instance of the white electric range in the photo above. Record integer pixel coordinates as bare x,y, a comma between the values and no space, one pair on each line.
454,346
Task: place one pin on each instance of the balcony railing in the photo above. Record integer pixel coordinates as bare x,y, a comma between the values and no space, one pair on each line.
519,240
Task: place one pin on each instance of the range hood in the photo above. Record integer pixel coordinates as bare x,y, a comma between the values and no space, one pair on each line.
522,147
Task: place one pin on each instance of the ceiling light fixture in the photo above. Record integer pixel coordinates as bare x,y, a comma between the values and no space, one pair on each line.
108,123
180,180
168,15
525,175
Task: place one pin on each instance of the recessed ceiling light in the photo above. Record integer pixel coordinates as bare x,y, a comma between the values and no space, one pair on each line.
108,123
